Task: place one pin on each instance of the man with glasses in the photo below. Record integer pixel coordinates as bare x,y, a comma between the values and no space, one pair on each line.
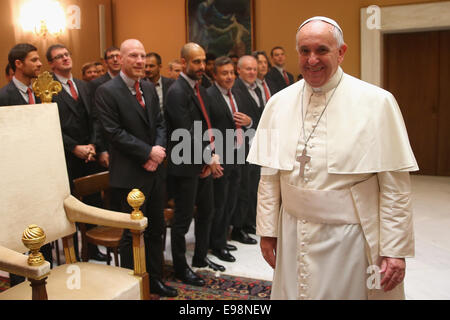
78,125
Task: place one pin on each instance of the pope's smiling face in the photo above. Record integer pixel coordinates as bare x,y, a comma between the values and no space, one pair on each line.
318,53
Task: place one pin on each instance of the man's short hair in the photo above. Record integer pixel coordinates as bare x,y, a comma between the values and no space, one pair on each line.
110,49
221,61
210,56
241,60
256,54
86,66
54,47
275,48
7,68
171,63
19,52
154,54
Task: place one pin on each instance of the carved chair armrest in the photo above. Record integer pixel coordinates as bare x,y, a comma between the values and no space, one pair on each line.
77,211
17,263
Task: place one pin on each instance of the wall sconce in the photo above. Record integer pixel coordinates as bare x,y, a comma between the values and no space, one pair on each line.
43,17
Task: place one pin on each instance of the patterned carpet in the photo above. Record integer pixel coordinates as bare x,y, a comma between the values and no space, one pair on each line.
223,287
4,283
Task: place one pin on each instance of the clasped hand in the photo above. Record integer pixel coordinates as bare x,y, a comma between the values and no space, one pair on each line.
156,157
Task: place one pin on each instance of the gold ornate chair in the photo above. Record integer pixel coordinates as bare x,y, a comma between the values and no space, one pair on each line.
35,196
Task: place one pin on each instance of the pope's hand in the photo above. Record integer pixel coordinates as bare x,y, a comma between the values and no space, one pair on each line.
269,250
394,272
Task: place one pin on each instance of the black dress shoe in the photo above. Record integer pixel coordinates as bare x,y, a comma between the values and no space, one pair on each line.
206,263
158,287
242,237
189,277
230,247
250,229
98,256
223,255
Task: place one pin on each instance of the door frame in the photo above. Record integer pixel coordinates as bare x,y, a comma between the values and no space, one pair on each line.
396,19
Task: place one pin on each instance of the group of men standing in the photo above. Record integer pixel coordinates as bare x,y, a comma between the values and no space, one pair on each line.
124,122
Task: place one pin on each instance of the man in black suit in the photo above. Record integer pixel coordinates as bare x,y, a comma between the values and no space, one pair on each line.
265,84
112,59
79,127
153,65
191,163
277,73
208,77
25,63
252,99
228,113
134,126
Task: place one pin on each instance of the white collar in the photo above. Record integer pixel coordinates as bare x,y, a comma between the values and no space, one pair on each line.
20,85
191,82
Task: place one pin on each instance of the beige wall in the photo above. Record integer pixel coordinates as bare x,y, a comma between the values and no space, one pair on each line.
160,25
83,43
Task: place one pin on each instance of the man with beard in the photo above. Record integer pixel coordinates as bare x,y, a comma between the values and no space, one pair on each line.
191,167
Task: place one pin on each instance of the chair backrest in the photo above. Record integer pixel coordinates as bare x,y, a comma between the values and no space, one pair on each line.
33,174
92,184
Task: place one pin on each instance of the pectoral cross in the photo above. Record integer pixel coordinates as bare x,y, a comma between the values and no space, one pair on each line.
303,159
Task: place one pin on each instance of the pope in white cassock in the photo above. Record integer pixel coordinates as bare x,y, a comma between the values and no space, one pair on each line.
334,200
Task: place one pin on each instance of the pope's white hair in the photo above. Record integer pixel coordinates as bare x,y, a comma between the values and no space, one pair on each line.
337,31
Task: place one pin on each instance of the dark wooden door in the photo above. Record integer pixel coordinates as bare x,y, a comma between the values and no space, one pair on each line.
417,73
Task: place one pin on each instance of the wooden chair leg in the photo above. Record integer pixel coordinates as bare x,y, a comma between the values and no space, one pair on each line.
39,291
58,258
108,253
116,256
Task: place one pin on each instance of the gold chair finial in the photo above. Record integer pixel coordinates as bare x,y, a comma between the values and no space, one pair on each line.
45,87
33,238
136,199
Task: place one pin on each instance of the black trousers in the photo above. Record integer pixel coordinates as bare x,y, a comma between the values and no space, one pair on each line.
253,182
226,191
188,192
152,209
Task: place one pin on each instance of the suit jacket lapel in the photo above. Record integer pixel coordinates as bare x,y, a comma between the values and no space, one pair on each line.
148,97
83,94
224,104
14,92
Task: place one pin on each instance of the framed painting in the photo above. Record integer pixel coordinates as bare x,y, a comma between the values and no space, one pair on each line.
221,27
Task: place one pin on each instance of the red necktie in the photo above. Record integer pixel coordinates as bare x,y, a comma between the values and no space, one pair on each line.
139,94
30,96
238,127
266,90
73,92
286,77
205,115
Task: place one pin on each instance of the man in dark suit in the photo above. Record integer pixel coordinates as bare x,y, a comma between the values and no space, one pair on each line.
228,113
191,163
153,65
252,99
277,73
78,125
208,77
25,63
112,59
265,84
134,126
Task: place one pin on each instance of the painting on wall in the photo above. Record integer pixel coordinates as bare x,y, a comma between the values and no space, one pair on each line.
221,27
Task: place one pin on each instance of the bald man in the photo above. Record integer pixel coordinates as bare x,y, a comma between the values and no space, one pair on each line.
134,127
188,107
